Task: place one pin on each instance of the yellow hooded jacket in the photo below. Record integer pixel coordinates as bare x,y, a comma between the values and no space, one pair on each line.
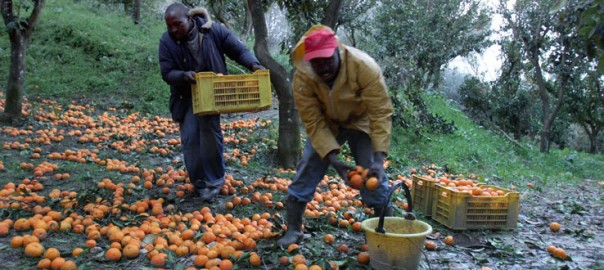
358,99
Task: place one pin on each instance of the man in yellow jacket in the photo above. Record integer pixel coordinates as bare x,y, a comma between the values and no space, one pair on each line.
341,96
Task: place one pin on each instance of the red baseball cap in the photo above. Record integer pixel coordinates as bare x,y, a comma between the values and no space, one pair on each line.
319,44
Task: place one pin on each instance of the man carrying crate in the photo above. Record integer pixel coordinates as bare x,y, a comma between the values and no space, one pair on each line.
191,44
341,96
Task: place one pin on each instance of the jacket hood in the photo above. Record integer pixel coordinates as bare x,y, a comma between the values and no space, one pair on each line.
202,12
297,54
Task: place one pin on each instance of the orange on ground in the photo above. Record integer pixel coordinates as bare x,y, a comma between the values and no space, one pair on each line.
52,253
329,239
255,260
554,226
34,249
560,253
363,258
449,240
113,254
430,245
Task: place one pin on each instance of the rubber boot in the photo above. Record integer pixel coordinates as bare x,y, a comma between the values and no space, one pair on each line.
378,211
295,211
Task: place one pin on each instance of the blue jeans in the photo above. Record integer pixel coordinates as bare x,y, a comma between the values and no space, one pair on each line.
203,148
312,168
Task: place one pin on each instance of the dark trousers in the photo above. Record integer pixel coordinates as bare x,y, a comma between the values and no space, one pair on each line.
312,168
203,148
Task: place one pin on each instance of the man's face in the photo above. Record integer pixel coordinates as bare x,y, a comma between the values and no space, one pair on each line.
326,68
178,26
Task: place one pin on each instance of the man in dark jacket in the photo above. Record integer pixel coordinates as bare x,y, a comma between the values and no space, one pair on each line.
191,44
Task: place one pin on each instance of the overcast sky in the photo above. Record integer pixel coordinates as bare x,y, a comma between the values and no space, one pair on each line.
488,63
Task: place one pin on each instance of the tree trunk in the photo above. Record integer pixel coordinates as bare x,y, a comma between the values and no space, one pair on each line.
332,14
16,74
545,104
136,11
19,37
592,133
288,144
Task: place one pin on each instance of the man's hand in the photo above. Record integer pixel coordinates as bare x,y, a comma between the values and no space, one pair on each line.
190,77
257,67
341,168
377,167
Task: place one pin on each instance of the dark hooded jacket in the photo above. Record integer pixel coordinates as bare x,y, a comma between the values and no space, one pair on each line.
175,58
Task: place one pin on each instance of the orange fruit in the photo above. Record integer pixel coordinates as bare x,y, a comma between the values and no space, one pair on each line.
57,263
342,248
16,241
430,245
363,258
372,184
158,259
113,254
4,229
52,253
200,260
449,240
131,251
298,259
22,224
301,267
292,247
34,249
554,226
357,227
208,237
226,265
255,260
550,249
560,253
329,239
356,181
69,265
187,234
77,251
284,260
44,263
90,243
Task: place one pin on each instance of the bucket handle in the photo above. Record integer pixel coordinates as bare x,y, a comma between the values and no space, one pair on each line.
408,216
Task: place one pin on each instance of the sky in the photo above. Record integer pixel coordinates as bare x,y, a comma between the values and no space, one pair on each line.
489,62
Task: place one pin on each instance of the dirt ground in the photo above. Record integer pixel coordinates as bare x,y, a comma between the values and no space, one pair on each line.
578,207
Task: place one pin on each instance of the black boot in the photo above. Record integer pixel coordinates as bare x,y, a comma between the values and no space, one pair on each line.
295,211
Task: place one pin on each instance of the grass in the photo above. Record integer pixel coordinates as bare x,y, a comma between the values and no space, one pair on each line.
473,149
93,54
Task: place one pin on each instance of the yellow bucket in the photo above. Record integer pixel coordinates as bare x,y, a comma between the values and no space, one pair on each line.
400,247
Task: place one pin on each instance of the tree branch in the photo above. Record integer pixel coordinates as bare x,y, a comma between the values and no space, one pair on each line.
33,18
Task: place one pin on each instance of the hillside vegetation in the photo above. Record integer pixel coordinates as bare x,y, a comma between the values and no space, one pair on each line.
97,56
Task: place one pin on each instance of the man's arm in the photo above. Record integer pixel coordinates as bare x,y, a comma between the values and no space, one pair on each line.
235,49
170,72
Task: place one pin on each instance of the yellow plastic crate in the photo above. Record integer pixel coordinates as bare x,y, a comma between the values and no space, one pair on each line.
214,94
423,194
462,211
